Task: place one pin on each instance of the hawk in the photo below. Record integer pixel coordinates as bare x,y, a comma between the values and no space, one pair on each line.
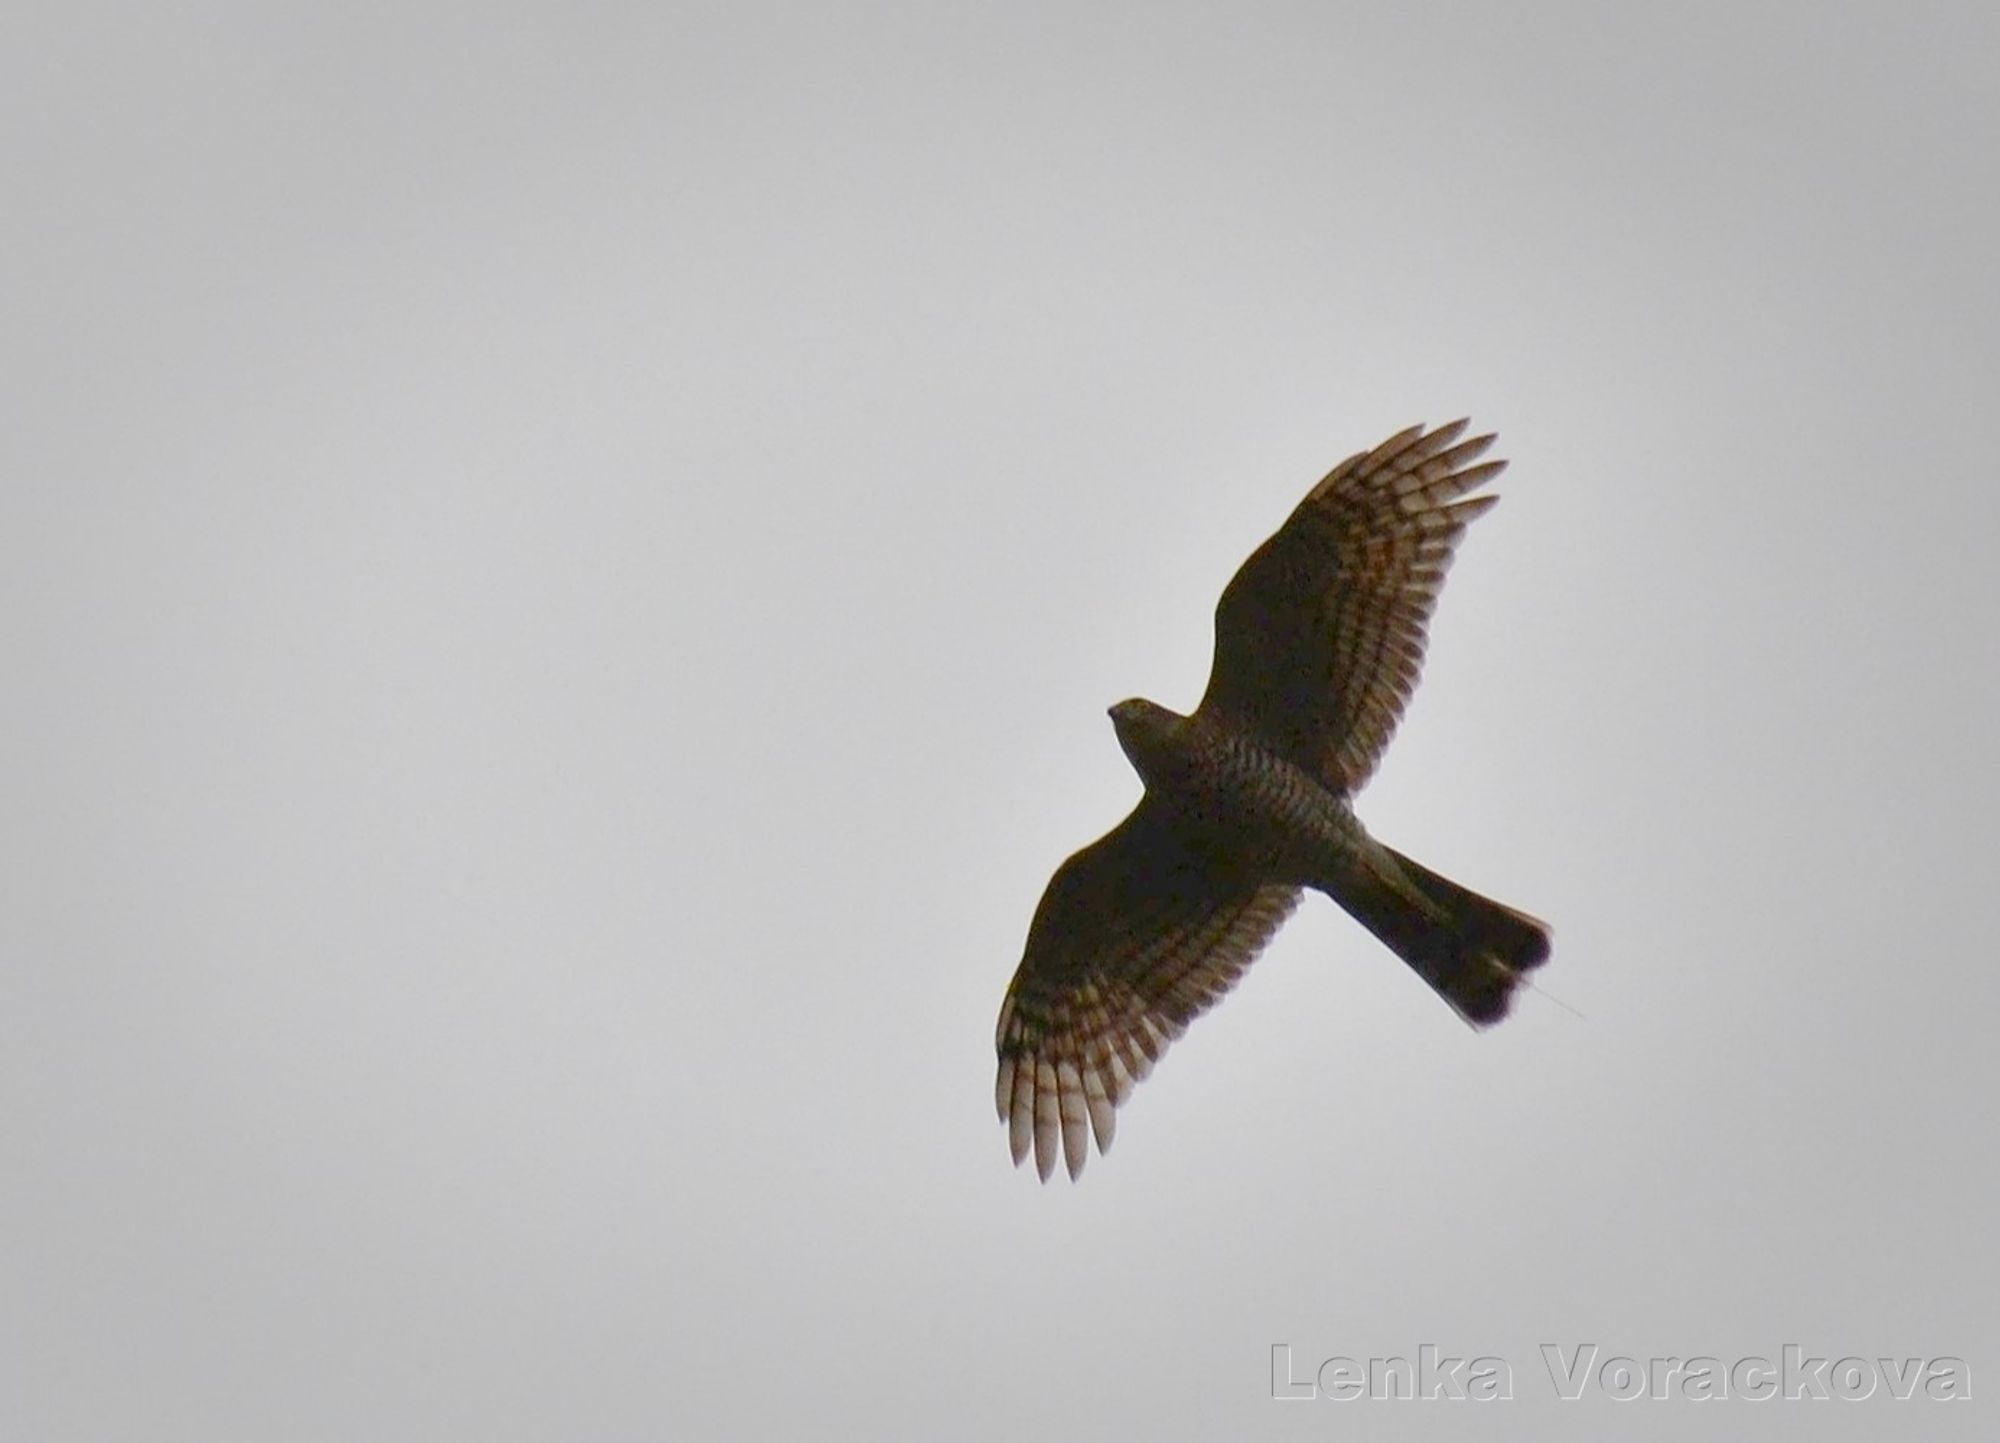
1318,641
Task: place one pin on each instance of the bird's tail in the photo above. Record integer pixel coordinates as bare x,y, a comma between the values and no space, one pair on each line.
1471,949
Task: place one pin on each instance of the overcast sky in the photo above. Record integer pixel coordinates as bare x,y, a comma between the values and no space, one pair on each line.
562,571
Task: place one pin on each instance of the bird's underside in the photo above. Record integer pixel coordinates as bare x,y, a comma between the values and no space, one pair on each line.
1318,642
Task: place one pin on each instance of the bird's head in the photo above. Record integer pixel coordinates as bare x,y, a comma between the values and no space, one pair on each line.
1146,731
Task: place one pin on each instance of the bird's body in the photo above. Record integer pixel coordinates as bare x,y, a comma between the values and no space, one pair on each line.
1237,801
1319,639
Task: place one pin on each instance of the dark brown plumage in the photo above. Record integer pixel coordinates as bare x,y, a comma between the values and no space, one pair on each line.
1319,640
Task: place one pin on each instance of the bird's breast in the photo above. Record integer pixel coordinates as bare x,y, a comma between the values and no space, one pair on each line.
1254,803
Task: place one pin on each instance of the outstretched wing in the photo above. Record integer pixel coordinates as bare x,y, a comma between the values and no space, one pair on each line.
1319,638
1136,936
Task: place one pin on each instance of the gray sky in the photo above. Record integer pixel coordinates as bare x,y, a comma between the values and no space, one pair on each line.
563,567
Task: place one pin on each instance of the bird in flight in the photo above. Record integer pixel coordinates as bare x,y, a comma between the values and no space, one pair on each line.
1318,642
